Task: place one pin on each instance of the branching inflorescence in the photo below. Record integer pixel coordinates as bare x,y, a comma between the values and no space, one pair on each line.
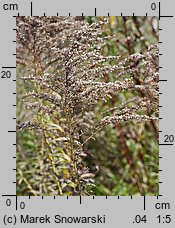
65,63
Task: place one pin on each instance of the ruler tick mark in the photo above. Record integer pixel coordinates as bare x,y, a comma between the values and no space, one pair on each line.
166,16
8,67
159,11
9,195
165,144
144,203
31,9
16,203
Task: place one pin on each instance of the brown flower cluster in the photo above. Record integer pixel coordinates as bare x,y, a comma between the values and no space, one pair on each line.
63,59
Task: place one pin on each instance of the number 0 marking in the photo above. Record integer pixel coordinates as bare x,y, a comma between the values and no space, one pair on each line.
8,202
153,6
22,205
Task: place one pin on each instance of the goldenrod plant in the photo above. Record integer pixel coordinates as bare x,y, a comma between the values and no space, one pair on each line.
72,92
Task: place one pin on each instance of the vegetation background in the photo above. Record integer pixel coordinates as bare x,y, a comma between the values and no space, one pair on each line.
124,157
